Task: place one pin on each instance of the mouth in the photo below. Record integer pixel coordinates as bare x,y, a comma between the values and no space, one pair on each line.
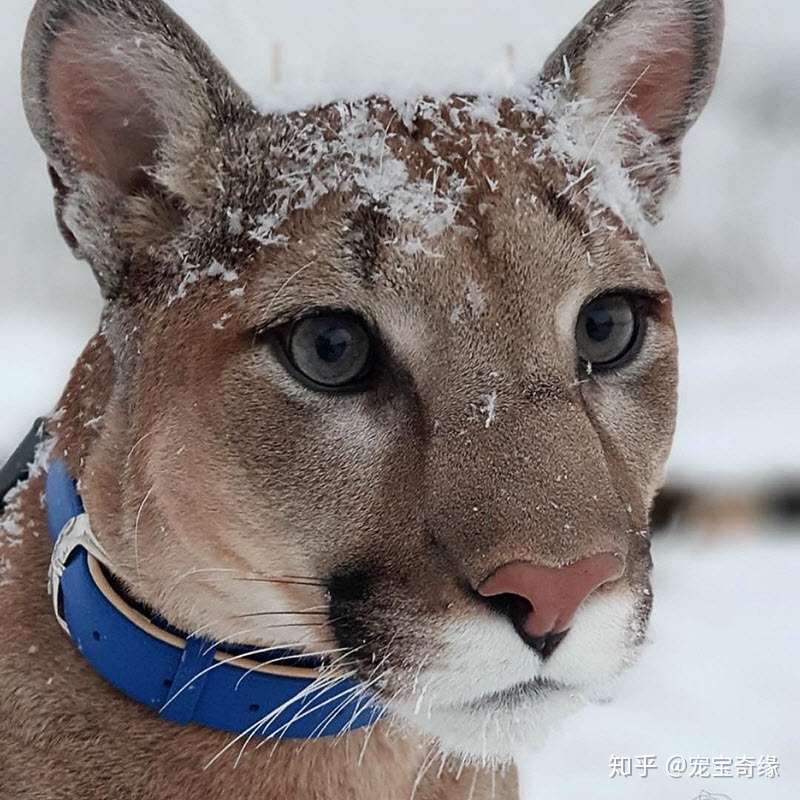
492,729
520,694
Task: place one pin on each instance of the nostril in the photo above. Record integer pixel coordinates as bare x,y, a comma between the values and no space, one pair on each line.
519,610
513,606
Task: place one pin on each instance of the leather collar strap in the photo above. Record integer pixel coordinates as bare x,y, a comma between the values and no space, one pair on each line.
186,680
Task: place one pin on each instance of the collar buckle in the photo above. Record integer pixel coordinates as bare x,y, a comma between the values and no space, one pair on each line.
76,533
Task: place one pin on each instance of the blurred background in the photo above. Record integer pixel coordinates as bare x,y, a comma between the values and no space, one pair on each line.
721,677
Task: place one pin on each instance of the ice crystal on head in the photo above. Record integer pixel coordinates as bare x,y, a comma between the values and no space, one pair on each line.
377,177
235,221
189,277
489,409
476,298
264,232
215,270
598,152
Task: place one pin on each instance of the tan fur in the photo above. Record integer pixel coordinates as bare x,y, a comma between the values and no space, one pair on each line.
202,461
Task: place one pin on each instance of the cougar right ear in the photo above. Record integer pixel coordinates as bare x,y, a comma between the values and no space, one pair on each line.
655,60
121,95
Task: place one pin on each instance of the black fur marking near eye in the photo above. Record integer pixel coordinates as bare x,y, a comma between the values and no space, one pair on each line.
367,229
562,209
350,592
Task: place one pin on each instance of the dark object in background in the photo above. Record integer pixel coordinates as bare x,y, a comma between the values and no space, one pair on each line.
719,509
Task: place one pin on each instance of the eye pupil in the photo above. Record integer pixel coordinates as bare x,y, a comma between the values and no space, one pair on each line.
332,344
599,325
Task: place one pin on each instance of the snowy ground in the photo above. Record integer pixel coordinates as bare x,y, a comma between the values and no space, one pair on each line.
720,678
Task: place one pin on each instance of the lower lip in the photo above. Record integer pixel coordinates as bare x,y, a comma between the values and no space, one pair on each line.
523,691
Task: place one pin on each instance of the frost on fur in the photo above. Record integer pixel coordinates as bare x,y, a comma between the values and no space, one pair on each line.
358,152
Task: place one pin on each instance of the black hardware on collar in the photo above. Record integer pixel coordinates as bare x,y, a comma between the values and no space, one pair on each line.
17,468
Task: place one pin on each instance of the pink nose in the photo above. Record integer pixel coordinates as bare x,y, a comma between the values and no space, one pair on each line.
542,601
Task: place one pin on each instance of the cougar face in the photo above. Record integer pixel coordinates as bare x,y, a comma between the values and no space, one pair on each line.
394,385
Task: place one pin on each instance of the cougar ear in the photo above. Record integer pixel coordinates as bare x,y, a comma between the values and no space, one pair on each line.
654,59
121,96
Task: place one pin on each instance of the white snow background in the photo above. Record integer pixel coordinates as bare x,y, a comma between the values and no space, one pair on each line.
722,676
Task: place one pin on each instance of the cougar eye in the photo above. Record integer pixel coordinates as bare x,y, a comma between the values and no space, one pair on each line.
329,351
609,331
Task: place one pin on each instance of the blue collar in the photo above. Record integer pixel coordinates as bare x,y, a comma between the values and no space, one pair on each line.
185,680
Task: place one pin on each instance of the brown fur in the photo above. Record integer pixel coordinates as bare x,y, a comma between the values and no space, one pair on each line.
479,444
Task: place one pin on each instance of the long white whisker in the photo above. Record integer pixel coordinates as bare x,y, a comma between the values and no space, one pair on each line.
474,783
136,528
359,689
315,686
319,653
250,731
278,734
201,570
313,709
430,756
318,686
222,663
136,444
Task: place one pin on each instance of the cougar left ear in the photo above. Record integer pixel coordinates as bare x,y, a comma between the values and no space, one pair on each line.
656,59
124,99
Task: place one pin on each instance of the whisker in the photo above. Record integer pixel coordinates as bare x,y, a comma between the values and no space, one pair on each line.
283,286
295,625
313,709
239,657
296,717
368,736
320,728
360,688
199,631
362,704
475,776
254,728
323,681
136,444
136,528
233,637
430,757
285,613
319,653
282,580
201,570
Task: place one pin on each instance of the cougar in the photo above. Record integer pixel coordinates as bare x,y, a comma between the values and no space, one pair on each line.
380,399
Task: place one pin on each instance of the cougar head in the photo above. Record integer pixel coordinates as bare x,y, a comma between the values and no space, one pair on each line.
393,383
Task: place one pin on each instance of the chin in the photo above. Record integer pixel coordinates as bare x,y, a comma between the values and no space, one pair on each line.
495,730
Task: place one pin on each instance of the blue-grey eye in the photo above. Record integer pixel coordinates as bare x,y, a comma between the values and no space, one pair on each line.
331,351
609,329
